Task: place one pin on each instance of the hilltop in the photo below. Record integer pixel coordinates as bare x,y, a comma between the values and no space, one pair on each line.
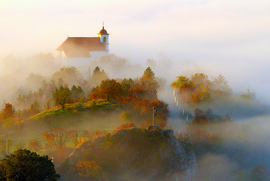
131,154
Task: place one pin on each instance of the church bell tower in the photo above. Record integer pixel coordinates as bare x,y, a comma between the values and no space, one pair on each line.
104,37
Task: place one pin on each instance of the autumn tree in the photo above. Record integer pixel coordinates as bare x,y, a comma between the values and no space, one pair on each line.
27,165
200,95
146,85
58,138
61,95
200,79
34,145
89,136
182,83
109,89
90,170
7,115
184,88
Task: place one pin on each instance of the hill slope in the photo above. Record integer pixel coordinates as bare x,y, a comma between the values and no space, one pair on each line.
134,154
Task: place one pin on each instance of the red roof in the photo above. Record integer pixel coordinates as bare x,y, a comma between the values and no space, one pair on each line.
80,46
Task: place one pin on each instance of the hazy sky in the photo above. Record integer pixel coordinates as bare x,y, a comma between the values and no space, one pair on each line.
231,37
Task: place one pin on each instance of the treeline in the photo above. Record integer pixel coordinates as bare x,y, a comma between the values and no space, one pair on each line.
199,91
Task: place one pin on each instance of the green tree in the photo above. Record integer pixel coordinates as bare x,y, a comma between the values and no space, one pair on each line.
27,165
76,93
61,96
149,72
68,74
98,76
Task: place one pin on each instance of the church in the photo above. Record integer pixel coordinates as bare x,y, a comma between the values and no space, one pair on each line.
79,51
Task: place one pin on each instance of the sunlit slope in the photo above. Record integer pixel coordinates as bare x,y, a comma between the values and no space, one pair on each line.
99,106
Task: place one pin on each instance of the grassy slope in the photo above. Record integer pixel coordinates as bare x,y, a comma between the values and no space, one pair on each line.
75,108
92,115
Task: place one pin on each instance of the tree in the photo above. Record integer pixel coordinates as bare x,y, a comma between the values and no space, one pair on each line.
149,72
259,173
76,93
221,84
200,79
148,84
182,83
7,115
90,170
68,74
34,145
27,165
109,89
61,96
58,138
98,76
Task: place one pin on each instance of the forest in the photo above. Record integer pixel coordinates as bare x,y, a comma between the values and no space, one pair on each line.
56,110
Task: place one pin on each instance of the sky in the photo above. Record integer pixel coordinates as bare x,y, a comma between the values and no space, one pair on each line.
215,37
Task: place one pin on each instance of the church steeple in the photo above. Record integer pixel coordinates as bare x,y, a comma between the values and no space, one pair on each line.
104,36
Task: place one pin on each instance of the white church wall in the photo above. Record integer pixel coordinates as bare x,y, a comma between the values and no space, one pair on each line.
95,55
77,61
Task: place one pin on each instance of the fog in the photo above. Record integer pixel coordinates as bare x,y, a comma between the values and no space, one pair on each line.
173,38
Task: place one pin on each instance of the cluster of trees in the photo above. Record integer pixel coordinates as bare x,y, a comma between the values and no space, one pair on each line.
199,89
51,93
139,96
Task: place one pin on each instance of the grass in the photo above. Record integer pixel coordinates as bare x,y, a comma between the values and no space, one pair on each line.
99,105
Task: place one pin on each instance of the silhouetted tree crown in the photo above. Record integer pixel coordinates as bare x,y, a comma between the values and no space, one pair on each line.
27,165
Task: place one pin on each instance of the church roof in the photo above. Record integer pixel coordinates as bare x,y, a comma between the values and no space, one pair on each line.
80,46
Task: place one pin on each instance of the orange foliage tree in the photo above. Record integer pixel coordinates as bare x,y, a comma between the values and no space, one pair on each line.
7,115
58,138
109,89
90,170
34,145
92,135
